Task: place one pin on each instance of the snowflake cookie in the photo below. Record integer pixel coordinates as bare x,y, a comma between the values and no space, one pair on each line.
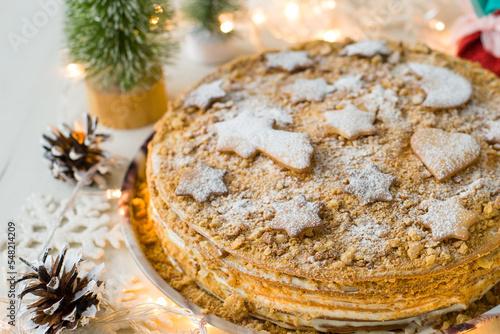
290,61
202,182
448,219
308,90
444,88
206,94
351,122
296,216
444,153
369,185
365,49
247,134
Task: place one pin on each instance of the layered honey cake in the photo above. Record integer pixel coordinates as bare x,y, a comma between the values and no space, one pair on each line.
334,187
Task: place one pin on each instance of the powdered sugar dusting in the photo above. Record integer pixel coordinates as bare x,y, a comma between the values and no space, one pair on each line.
365,49
308,90
351,122
202,182
369,185
247,134
289,60
444,154
444,88
448,219
367,236
203,96
349,82
296,216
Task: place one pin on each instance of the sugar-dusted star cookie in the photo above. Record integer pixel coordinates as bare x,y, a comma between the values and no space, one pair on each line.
493,135
448,219
296,216
202,182
351,122
203,96
308,90
369,185
247,134
365,49
444,153
290,61
444,88
349,82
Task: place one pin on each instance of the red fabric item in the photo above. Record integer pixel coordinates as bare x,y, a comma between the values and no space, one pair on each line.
470,47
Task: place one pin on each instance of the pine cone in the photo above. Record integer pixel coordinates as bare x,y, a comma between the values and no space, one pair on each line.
64,299
72,152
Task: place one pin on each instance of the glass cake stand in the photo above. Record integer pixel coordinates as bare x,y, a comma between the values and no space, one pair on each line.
487,323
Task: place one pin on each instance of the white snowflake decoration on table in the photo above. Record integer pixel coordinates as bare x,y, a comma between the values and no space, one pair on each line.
87,227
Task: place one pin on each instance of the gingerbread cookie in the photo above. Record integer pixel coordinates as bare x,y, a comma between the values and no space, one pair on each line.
290,61
203,96
365,49
296,216
448,219
308,90
369,185
247,134
351,122
444,153
202,182
444,88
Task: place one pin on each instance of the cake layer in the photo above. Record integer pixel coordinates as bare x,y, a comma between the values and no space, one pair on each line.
302,303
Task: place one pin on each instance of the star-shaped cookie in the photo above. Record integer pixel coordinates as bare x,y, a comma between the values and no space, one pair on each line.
365,49
369,185
493,135
202,182
448,219
296,216
247,134
351,122
308,90
349,82
290,61
203,96
444,88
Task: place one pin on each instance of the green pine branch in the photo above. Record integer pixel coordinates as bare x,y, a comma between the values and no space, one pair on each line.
120,43
205,13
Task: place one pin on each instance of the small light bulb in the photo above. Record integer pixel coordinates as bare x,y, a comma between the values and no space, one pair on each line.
113,193
162,301
292,10
227,27
258,17
158,9
440,25
331,35
74,70
154,20
330,4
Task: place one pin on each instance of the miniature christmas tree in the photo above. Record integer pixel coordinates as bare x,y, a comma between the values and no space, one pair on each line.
210,15
122,44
